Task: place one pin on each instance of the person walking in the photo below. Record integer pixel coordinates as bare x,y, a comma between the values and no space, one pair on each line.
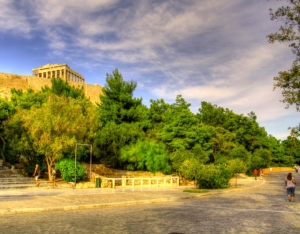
255,173
290,184
53,176
36,174
261,173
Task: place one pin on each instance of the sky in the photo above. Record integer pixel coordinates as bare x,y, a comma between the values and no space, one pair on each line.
213,51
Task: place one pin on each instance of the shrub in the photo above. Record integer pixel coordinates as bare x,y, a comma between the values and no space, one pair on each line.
146,155
237,166
213,176
67,169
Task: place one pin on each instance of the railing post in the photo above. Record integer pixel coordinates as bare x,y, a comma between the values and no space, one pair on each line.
123,181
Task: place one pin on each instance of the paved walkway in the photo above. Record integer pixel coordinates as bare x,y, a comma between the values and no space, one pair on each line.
13,201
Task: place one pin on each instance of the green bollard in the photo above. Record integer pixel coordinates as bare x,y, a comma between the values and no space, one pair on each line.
98,183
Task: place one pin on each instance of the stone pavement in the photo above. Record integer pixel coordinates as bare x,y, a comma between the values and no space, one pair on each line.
14,201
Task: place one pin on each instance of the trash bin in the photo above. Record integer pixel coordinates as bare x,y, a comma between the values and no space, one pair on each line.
98,183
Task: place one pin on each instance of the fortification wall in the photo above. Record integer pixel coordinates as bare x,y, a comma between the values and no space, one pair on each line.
9,81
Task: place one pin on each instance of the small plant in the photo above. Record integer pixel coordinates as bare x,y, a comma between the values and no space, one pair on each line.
67,169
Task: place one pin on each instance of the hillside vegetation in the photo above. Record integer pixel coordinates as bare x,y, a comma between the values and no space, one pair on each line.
209,146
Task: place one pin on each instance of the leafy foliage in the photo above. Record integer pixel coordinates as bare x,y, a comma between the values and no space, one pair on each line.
289,81
56,126
122,119
178,131
62,88
236,166
111,138
209,146
27,99
6,110
117,102
146,155
67,168
213,176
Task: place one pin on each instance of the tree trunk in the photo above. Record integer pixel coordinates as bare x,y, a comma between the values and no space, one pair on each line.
49,166
3,148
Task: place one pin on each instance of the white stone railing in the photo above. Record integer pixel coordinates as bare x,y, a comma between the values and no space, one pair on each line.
124,182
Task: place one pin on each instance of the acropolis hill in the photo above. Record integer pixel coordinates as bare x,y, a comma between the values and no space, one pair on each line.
42,77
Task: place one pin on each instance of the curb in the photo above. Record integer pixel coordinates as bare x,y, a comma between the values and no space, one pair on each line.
116,204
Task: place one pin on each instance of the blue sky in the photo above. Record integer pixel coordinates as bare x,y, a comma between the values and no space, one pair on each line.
214,51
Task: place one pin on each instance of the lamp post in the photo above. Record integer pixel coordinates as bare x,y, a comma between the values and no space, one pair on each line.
91,150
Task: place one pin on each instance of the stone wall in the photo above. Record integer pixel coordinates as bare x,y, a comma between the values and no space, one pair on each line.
9,81
100,169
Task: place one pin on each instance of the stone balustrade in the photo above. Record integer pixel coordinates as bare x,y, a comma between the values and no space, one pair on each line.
166,181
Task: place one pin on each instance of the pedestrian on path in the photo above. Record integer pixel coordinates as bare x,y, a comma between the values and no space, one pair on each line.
255,173
53,176
290,184
296,168
261,173
36,174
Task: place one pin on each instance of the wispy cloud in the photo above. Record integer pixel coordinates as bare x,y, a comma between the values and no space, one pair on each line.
213,51
12,20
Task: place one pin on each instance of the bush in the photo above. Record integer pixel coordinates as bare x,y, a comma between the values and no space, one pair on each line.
213,176
236,166
146,155
67,169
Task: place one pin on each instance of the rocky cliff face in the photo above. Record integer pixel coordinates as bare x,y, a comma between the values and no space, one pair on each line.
22,82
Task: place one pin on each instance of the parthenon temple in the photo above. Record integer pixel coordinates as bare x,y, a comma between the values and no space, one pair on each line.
62,71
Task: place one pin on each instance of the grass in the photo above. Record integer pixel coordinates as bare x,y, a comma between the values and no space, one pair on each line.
196,190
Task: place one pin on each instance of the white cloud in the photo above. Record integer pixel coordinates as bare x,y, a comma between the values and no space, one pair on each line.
13,20
213,51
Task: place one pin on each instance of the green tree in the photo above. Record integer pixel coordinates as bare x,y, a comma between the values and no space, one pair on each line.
239,152
156,115
277,150
6,111
182,157
179,125
27,99
56,126
289,81
261,158
112,137
123,118
245,128
237,166
63,88
222,143
292,148
117,102
146,155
